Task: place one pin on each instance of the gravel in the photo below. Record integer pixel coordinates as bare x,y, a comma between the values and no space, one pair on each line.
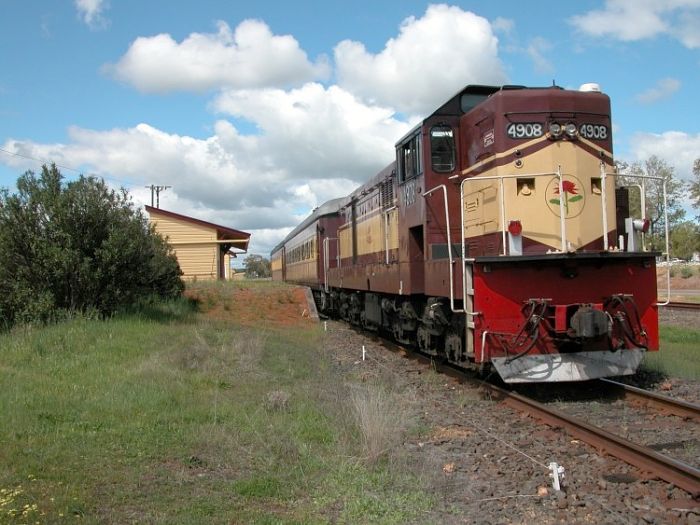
484,463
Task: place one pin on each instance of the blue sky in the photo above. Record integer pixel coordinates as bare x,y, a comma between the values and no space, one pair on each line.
255,112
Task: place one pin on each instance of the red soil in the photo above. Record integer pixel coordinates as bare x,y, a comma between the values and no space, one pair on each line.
252,304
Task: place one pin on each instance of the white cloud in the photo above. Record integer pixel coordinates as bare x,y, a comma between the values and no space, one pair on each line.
629,21
431,59
314,144
664,88
503,25
318,132
249,57
679,149
687,30
91,12
536,50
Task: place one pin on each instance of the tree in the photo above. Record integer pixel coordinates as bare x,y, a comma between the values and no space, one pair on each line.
257,266
685,240
77,247
655,167
694,186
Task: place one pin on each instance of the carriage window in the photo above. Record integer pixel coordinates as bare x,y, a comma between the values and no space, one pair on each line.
442,149
409,159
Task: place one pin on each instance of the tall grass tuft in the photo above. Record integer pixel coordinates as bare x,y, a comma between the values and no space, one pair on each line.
380,417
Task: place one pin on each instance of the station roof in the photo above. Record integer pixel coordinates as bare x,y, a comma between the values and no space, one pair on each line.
223,233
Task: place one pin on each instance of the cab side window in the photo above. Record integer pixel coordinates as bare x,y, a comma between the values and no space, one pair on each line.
442,149
409,157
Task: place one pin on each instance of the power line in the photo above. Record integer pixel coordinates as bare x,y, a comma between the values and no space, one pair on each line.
46,162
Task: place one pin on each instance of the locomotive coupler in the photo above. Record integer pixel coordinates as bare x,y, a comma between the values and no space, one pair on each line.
589,323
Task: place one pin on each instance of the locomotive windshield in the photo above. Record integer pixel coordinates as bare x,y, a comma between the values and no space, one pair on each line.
442,148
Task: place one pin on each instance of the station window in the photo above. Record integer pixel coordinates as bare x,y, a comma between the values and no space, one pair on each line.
409,157
442,149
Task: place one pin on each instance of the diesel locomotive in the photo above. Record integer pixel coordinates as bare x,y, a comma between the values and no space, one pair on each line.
500,237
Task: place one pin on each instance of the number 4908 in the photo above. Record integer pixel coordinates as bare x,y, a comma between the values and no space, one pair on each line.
524,130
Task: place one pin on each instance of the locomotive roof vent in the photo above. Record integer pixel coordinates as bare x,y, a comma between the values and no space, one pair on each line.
590,86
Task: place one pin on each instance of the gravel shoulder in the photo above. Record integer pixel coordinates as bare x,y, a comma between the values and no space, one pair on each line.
485,463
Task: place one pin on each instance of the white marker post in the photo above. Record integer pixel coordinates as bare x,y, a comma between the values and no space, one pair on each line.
557,475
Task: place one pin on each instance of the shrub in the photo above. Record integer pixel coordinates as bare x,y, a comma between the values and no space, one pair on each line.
686,272
77,246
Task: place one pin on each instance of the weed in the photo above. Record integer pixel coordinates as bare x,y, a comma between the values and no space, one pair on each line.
249,348
277,400
678,354
259,487
194,356
379,418
686,272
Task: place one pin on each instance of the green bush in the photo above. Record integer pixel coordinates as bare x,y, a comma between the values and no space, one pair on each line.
77,247
686,272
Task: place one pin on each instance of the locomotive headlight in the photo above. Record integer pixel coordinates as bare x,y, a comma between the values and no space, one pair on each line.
571,130
555,129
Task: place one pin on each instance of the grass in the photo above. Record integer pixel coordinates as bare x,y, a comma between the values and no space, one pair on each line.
679,355
163,415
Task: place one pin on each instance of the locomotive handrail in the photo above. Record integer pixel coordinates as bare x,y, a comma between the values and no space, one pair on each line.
564,245
562,216
643,205
502,202
449,244
667,253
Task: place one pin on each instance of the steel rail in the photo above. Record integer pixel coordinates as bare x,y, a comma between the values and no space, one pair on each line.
673,471
683,306
644,458
676,407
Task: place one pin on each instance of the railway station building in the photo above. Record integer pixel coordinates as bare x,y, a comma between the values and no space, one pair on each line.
203,249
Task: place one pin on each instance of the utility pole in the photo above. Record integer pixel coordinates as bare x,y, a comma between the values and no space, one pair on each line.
155,190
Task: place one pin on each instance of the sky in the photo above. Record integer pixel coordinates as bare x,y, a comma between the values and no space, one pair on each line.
254,113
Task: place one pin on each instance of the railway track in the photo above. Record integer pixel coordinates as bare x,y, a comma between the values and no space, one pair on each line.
652,463
680,474
665,404
683,306
649,461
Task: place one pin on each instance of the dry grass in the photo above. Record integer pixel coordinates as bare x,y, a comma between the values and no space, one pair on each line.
277,400
249,351
380,416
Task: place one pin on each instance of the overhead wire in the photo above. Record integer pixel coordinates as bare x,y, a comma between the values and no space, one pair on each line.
64,167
